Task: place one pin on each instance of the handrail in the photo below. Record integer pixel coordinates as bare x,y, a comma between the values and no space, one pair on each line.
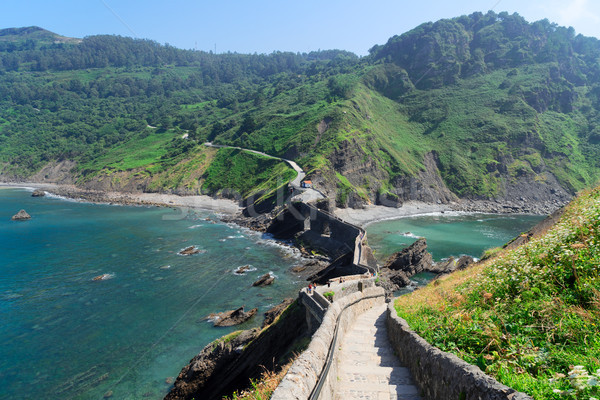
314,395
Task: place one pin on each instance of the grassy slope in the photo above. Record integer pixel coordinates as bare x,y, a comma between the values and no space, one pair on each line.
245,173
527,316
471,125
480,120
202,169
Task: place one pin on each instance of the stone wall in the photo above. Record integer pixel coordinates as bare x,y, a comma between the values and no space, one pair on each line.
327,231
346,288
302,377
441,375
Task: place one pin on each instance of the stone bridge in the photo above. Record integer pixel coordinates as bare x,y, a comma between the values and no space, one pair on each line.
324,232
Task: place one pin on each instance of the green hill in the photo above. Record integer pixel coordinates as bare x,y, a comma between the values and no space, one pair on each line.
485,106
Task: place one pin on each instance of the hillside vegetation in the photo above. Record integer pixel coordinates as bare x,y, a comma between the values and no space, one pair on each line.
530,316
485,106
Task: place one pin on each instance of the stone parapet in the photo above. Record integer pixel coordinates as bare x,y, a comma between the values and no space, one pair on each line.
441,375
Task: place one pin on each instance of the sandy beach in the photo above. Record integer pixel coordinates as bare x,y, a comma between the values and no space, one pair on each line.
221,206
373,213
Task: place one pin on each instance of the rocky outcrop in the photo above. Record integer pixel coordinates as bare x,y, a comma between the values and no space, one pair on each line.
241,270
188,251
451,265
55,172
265,280
194,376
276,311
428,186
310,268
410,261
38,193
21,216
415,259
228,363
234,317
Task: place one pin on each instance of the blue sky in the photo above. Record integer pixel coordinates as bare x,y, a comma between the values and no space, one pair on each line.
263,26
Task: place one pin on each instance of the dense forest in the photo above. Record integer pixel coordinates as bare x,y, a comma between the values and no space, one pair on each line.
498,107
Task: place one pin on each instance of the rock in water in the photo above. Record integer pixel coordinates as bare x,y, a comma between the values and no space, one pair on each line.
410,261
38,193
242,270
265,280
401,266
189,251
21,216
276,311
234,317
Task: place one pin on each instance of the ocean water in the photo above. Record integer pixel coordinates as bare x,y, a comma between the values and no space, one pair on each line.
64,335
448,234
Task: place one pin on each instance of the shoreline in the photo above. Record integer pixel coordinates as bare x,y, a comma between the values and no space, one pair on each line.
225,210
200,202
371,214
361,217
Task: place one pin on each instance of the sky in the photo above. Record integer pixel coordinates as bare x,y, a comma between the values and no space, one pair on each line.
264,26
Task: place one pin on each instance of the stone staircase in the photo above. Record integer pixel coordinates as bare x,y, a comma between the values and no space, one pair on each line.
367,366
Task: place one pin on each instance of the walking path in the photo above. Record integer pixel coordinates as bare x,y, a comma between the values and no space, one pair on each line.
306,195
367,366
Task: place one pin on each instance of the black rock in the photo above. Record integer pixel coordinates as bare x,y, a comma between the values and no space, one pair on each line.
265,280
189,251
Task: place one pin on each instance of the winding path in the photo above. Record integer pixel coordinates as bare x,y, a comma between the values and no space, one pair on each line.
307,194
367,366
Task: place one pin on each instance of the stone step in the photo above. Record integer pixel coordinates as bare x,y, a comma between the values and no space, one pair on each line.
367,365
378,370
375,394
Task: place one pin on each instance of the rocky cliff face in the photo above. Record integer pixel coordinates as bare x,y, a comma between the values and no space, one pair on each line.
60,172
362,170
521,187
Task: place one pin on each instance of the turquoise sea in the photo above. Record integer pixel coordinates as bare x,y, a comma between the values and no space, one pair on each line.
448,234
65,335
